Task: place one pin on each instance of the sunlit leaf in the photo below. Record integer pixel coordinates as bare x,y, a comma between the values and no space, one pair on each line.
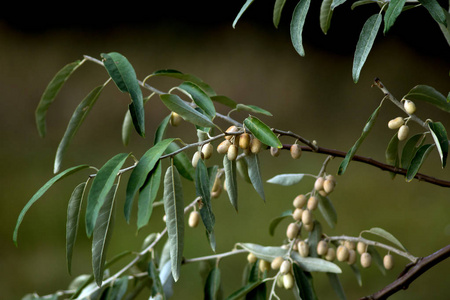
417,161
254,172
440,140
186,77
212,285
327,210
435,10
243,9
101,186
124,76
118,289
75,122
297,23
326,12
410,148
50,93
42,191
182,162
393,11
278,8
386,235
147,195
365,43
200,98
286,179
262,132
174,208
275,221
430,95
304,283
391,153
336,285
231,181
253,109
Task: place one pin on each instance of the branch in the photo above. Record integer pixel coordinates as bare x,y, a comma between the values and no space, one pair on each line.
410,273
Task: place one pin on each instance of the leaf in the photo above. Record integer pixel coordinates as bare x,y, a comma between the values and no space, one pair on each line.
262,132
278,8
365,43
39,194
314,237
124,76
101,186
147,195
440,140
51,92
242,169
181,162
327,210
357,273
386,235
73,217
274,222
336,3
75,122
243,9
200,98
286,179
254,172
297,23
176,104
212,285
435,10
186,77
224,100
160,131
430,95
231,181
360,3
126,128
417,161
376,258
410,148
141,171
174,208
102,234
365,132
304,283
118,289
393,11
391,153
326,12
336,285
157,287
244,290
253,109
446,29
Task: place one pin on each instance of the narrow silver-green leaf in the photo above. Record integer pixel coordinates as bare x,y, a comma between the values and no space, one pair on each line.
391,153
50,93
174,208
277,9
440,140
336,285
41,192
124,76
75,122
253,109
410,148
244,290
275,221
254,172
176,104
386,235
435,10
243,9
231,181
394,9
327,210
200,98
365,43
297,23
118,289
157,287
430,95
376,258
326,12
417,161
147,195
101,186
262,132
212,285
141,171
304,283
102,234
286,179
267,253
242,169
356,273
73,217
181,162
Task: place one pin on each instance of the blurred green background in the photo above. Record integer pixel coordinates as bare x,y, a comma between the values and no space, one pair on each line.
254,63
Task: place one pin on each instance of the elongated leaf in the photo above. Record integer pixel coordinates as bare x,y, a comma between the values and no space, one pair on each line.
186,77
141,171
376,258
417,161
391,153
174,208
176,104
147,195
356,273
336,285
118,289
200,98
435,10
365,43
243,9
326,12
286,179
446,29
278,8
262,132
231,181
253,109
254,172
157,287
365,132
73,217
304,283
314,237
386,235
161,130
336,3
297,23
440,140
102,234
127,127
124,76
242,169
275,221
393,11
212,285
244,290
75,122
360,3
181,162
327,210
410,148
41,192
430,95
224,100
101,186
50,93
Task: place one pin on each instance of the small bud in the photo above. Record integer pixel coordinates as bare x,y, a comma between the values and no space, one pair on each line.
366,260
292,231
313,202
296,151
331,254
409,106
297,214
276,263
322,247
197,155
223,147
255,145
396,123
361,247
303,248
207,150
251,258
307,217
264,265
318,184
403,132
232,152
194,218
244,141
351,257
175,119
342,253
231,129
285,267
288,281
388,261
300,201
328,185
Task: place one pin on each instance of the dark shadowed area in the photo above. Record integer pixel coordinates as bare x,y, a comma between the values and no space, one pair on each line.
253,63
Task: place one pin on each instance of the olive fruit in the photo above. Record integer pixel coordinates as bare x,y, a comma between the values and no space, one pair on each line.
307,217
409,107
223,147
331,254
303,248
318,184
197,155
292,231
288,281
194,218
308,227
231,129
275,152
276,263
322,247
350,245
296,151
255,145
264,265
342,253
396,123
403,132
351,256
232,152
244,141
207,150
328,185
361,247
313,202
285,267
251,258
388,261
366,260
175,119
300,201
297,214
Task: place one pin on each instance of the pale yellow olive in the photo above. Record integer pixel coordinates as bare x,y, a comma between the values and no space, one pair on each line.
175,119
342,253
322,247
351,256
231,129
296,151
328,185
251,258
264,265
366,260
222,148
297,214
285,267
313,202
207,150
307,217
331,254
388,261
292,230
232,152
396,123
361,247
244,141
288,281
318,184
303,248
409,106
276,262
255,145
196,157
403,132
300,201
194,218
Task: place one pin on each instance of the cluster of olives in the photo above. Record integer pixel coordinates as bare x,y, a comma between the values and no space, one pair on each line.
399,122
284,266
232,142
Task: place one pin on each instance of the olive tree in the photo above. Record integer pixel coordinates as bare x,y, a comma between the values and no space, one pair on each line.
304,248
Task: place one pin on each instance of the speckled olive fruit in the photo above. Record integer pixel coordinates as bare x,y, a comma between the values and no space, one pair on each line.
207,150
403,132
350,245
276,262
409,106
244,141
194,218
222,148
175,119
342,253
331,254
296,151
255,146
251,258
313,202
297,214
300,201
292,230
328,185
322,247
388,261
303,248
264,265
231,129
307,217
351,257
275,152
361,247
308,227
232,152
366,260
285,267
396,123
288,281
196,157
318,184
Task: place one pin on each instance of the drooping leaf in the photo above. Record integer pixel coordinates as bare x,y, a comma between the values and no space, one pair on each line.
430,95
75,122
304,283
365,43
212,285
101,186
42,191
174,208
440,140
275,221
141,171
231,181
326,12
394,9
73,217
327,210
242,169
253,109
124,76
254,172
410,148
147,195
182,162
160,131
262,132
417,161
176,104
336,3
365,132
224,100
200,98
51,92
186,77
360,3
435,10
297,23
356,273
386,235
102,234
157,287
244,290
118,289
127,127
243,9
391,153
314,237
336,285
278,8
376,258
286,179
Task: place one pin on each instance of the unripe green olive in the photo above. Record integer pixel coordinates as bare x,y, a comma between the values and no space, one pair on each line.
222,148
366,260
288,281
197,155
351,257
296,151
409,106
300,201
331,254
275,152
396,123
303,248
342,253
255,145
175,119
194,218
231,129
285,267
313,202
207,150
318,184
264,265
361,247
403,132
292,230
322,247
276,262
307,217
297,214
244,141
232,152
328,185
388,261
251,258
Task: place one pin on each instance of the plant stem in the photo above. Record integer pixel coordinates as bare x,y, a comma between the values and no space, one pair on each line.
215,256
